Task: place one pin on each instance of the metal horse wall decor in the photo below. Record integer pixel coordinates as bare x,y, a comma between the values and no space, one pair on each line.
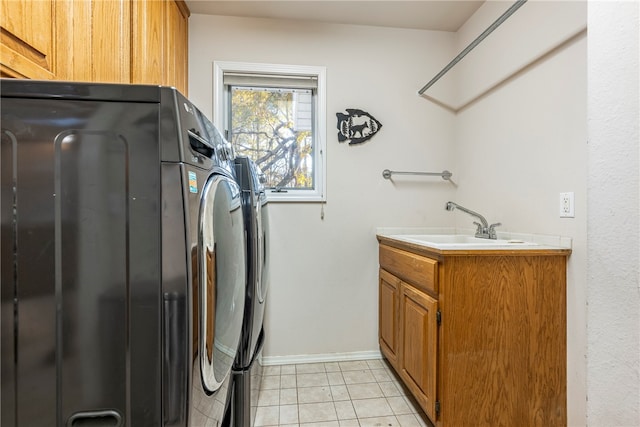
357,126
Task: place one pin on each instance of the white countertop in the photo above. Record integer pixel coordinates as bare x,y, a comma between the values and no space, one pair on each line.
505,240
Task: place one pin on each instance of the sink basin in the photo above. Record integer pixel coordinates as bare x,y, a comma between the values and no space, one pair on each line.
460,241
446,238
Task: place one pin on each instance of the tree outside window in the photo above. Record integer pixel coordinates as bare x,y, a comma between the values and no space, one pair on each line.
273,127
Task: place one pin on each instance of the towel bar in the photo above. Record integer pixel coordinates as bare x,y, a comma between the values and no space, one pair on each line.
446,175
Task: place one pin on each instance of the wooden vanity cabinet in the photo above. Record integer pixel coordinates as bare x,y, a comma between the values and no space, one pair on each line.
478,337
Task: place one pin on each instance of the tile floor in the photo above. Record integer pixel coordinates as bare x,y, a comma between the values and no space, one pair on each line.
355,393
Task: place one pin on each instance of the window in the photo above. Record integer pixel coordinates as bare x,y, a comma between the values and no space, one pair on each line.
275,114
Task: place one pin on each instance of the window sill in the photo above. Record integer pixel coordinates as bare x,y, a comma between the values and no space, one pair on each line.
276,197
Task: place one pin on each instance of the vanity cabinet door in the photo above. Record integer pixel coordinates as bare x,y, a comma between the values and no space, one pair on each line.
418,345
389,316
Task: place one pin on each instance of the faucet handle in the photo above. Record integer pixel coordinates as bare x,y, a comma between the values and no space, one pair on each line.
480,229
492,230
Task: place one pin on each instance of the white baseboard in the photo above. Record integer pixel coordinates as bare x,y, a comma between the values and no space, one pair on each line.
316,358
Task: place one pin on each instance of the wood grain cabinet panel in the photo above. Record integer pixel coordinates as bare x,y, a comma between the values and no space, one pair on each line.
504,341
418,270
110,31
389,316
27,39
147,42
419,329
177,46
160,43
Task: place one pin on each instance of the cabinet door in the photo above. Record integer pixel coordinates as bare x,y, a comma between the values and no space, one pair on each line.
111,41
418,345
93,40
176,45
27,39
159,49
147,47
389,316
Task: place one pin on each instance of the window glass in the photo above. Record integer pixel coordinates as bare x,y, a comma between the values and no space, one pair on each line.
276,115
274,127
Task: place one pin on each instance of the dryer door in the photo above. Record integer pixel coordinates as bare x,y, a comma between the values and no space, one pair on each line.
221,270
263,245
261,217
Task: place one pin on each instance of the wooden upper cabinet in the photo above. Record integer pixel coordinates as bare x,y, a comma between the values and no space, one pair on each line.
28,37
115,41
98,35
147,47
110,31
160,43
177,46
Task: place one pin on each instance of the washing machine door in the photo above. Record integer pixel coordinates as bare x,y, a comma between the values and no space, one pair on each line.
221,270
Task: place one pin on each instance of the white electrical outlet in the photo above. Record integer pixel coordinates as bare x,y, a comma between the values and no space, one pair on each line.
567,209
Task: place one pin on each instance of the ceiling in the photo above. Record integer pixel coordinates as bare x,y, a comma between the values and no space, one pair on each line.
441,15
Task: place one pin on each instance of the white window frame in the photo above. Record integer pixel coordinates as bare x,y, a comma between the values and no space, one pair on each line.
220,119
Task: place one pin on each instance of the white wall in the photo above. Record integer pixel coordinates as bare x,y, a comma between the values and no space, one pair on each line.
512,151
323,296
613,357
523,142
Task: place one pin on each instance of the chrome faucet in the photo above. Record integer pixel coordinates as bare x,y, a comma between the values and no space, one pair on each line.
484,230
